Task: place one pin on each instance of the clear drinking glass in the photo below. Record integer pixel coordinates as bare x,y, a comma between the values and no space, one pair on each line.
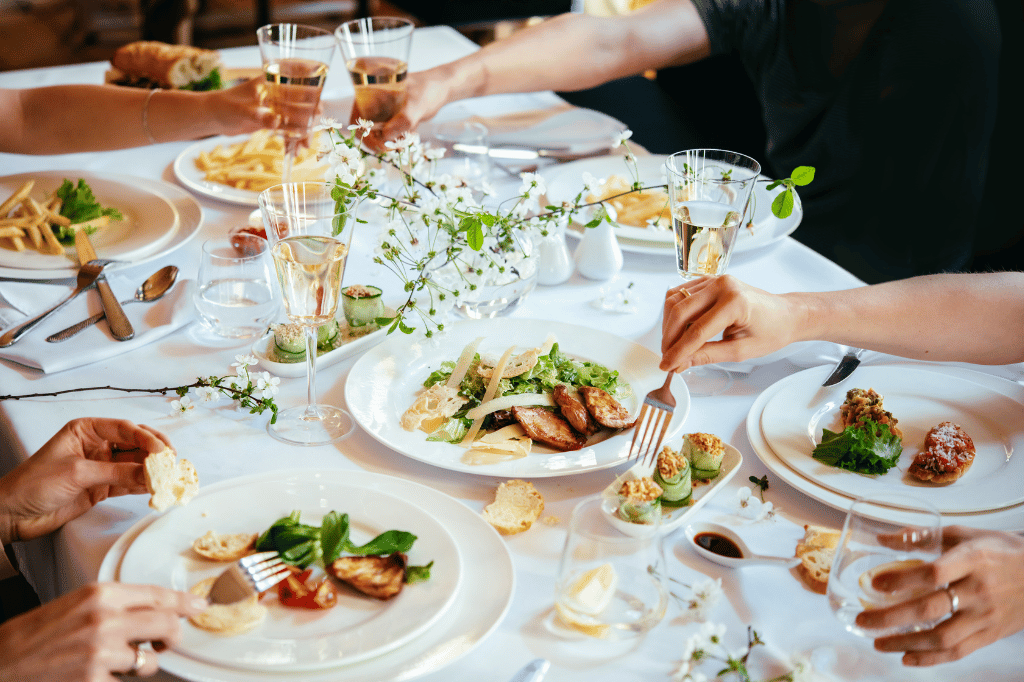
235,296
466,146
309,235
295,61
709,191
376,51
609,584
868,546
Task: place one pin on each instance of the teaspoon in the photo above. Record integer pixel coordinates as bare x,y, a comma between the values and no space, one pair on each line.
703,535
158,284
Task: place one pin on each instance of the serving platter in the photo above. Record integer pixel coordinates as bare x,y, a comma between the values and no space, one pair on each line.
1010,518
156,221
481,602
385,381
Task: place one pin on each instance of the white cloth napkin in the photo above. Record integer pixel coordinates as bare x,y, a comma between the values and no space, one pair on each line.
21,300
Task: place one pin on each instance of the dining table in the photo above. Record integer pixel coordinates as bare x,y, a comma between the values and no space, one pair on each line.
225,443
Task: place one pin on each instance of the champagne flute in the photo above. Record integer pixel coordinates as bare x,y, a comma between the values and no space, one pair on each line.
709,193
309,242
376,51
868,546
295,61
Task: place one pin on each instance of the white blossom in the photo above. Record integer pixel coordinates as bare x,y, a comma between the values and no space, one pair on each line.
712,633
361,124
802,670
590,183
705,595
622,137
207,394
326,123
244,361
266,386
182,405
533,185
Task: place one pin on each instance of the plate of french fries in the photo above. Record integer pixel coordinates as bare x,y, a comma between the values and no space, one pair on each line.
236,169
644,219
30,219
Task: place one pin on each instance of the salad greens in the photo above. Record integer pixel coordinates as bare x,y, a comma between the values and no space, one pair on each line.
78,204
300,544
866,448
550,370
211,82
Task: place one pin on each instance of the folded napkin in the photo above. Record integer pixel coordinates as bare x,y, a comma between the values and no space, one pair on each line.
21,300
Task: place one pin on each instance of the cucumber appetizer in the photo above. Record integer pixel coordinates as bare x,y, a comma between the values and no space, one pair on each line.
705,452
640,501
672,474
290,339
362,305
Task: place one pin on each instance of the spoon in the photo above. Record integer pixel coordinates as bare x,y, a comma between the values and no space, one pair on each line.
158,284
718,537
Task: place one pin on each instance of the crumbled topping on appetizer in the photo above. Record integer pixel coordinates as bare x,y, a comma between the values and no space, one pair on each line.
290,333
861,405
360,291
670,463
707,442
640,490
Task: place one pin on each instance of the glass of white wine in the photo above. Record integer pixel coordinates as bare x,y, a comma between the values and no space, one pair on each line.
376,52
709,194
869,546
309,233
295,61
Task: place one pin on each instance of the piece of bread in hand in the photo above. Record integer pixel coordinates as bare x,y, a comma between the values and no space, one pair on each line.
148,63
227,619
816,552
169,480
230,547
517,504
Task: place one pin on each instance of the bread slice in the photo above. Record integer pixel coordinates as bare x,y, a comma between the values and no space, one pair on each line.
816,552
227,619
517,504
169,66
224,547
170,480
949,453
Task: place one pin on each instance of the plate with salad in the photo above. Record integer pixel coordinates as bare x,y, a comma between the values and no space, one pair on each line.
395,376
142,221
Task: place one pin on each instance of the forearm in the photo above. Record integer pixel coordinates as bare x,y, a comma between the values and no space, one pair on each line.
975,318
580,51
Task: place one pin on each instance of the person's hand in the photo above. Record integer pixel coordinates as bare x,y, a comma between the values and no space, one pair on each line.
984,569
752,323
242,109
86,462
427,91
92,632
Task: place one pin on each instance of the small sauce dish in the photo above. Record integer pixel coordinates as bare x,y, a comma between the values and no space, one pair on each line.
722,545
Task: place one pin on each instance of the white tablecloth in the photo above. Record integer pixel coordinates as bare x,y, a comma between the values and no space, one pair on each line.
223,443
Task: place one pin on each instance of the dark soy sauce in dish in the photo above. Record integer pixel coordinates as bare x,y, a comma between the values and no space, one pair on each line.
718,544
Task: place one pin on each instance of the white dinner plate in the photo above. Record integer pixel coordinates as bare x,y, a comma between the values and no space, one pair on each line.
671,517
482,601
150,222
193,178
357,628
792,424
262,347
565,181
1007,518
384,383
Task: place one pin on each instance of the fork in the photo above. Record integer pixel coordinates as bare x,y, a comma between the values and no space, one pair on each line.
657,408
249,575
87,275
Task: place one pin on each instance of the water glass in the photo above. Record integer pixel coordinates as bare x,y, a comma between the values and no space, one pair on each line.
868,546
376,52
610,585
234,295
467,148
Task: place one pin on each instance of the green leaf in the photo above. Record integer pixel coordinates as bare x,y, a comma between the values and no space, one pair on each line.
333,535
406,329
867,448
475,237
417,574
593,223
388,542
488,219
802,175
782,205
78,204
774,183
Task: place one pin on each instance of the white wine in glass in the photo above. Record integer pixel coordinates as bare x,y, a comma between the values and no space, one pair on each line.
295,63
376,51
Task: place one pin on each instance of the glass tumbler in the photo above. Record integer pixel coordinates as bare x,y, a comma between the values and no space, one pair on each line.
610,585
235,296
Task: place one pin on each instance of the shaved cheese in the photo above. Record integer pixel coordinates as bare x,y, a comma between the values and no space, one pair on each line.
432,407
520,364
545,349
509,401
503,445
465,360
504,433
492,388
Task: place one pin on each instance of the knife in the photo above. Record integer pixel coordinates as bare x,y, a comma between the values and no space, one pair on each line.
845,367
120,327
86,277
526,154
533,671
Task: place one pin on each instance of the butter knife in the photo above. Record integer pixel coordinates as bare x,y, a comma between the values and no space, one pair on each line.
845,367
120,327
528,154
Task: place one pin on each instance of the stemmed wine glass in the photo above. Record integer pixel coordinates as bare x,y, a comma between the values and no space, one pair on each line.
709,191
307,230
869,546
295,61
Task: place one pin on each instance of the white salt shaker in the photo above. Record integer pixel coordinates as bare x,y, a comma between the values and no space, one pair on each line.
598,255
555,265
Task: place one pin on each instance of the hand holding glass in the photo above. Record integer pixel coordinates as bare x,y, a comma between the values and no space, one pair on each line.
868,547
376,51
307,230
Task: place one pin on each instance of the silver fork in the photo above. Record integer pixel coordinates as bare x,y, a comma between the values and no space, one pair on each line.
657,410
87,275
249,575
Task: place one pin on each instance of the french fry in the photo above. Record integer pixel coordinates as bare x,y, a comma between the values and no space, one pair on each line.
256,163
51,247
17,197
33,230
27,223
635,209
11,231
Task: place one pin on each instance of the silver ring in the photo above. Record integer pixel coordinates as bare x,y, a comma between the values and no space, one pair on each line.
954,601
140,660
